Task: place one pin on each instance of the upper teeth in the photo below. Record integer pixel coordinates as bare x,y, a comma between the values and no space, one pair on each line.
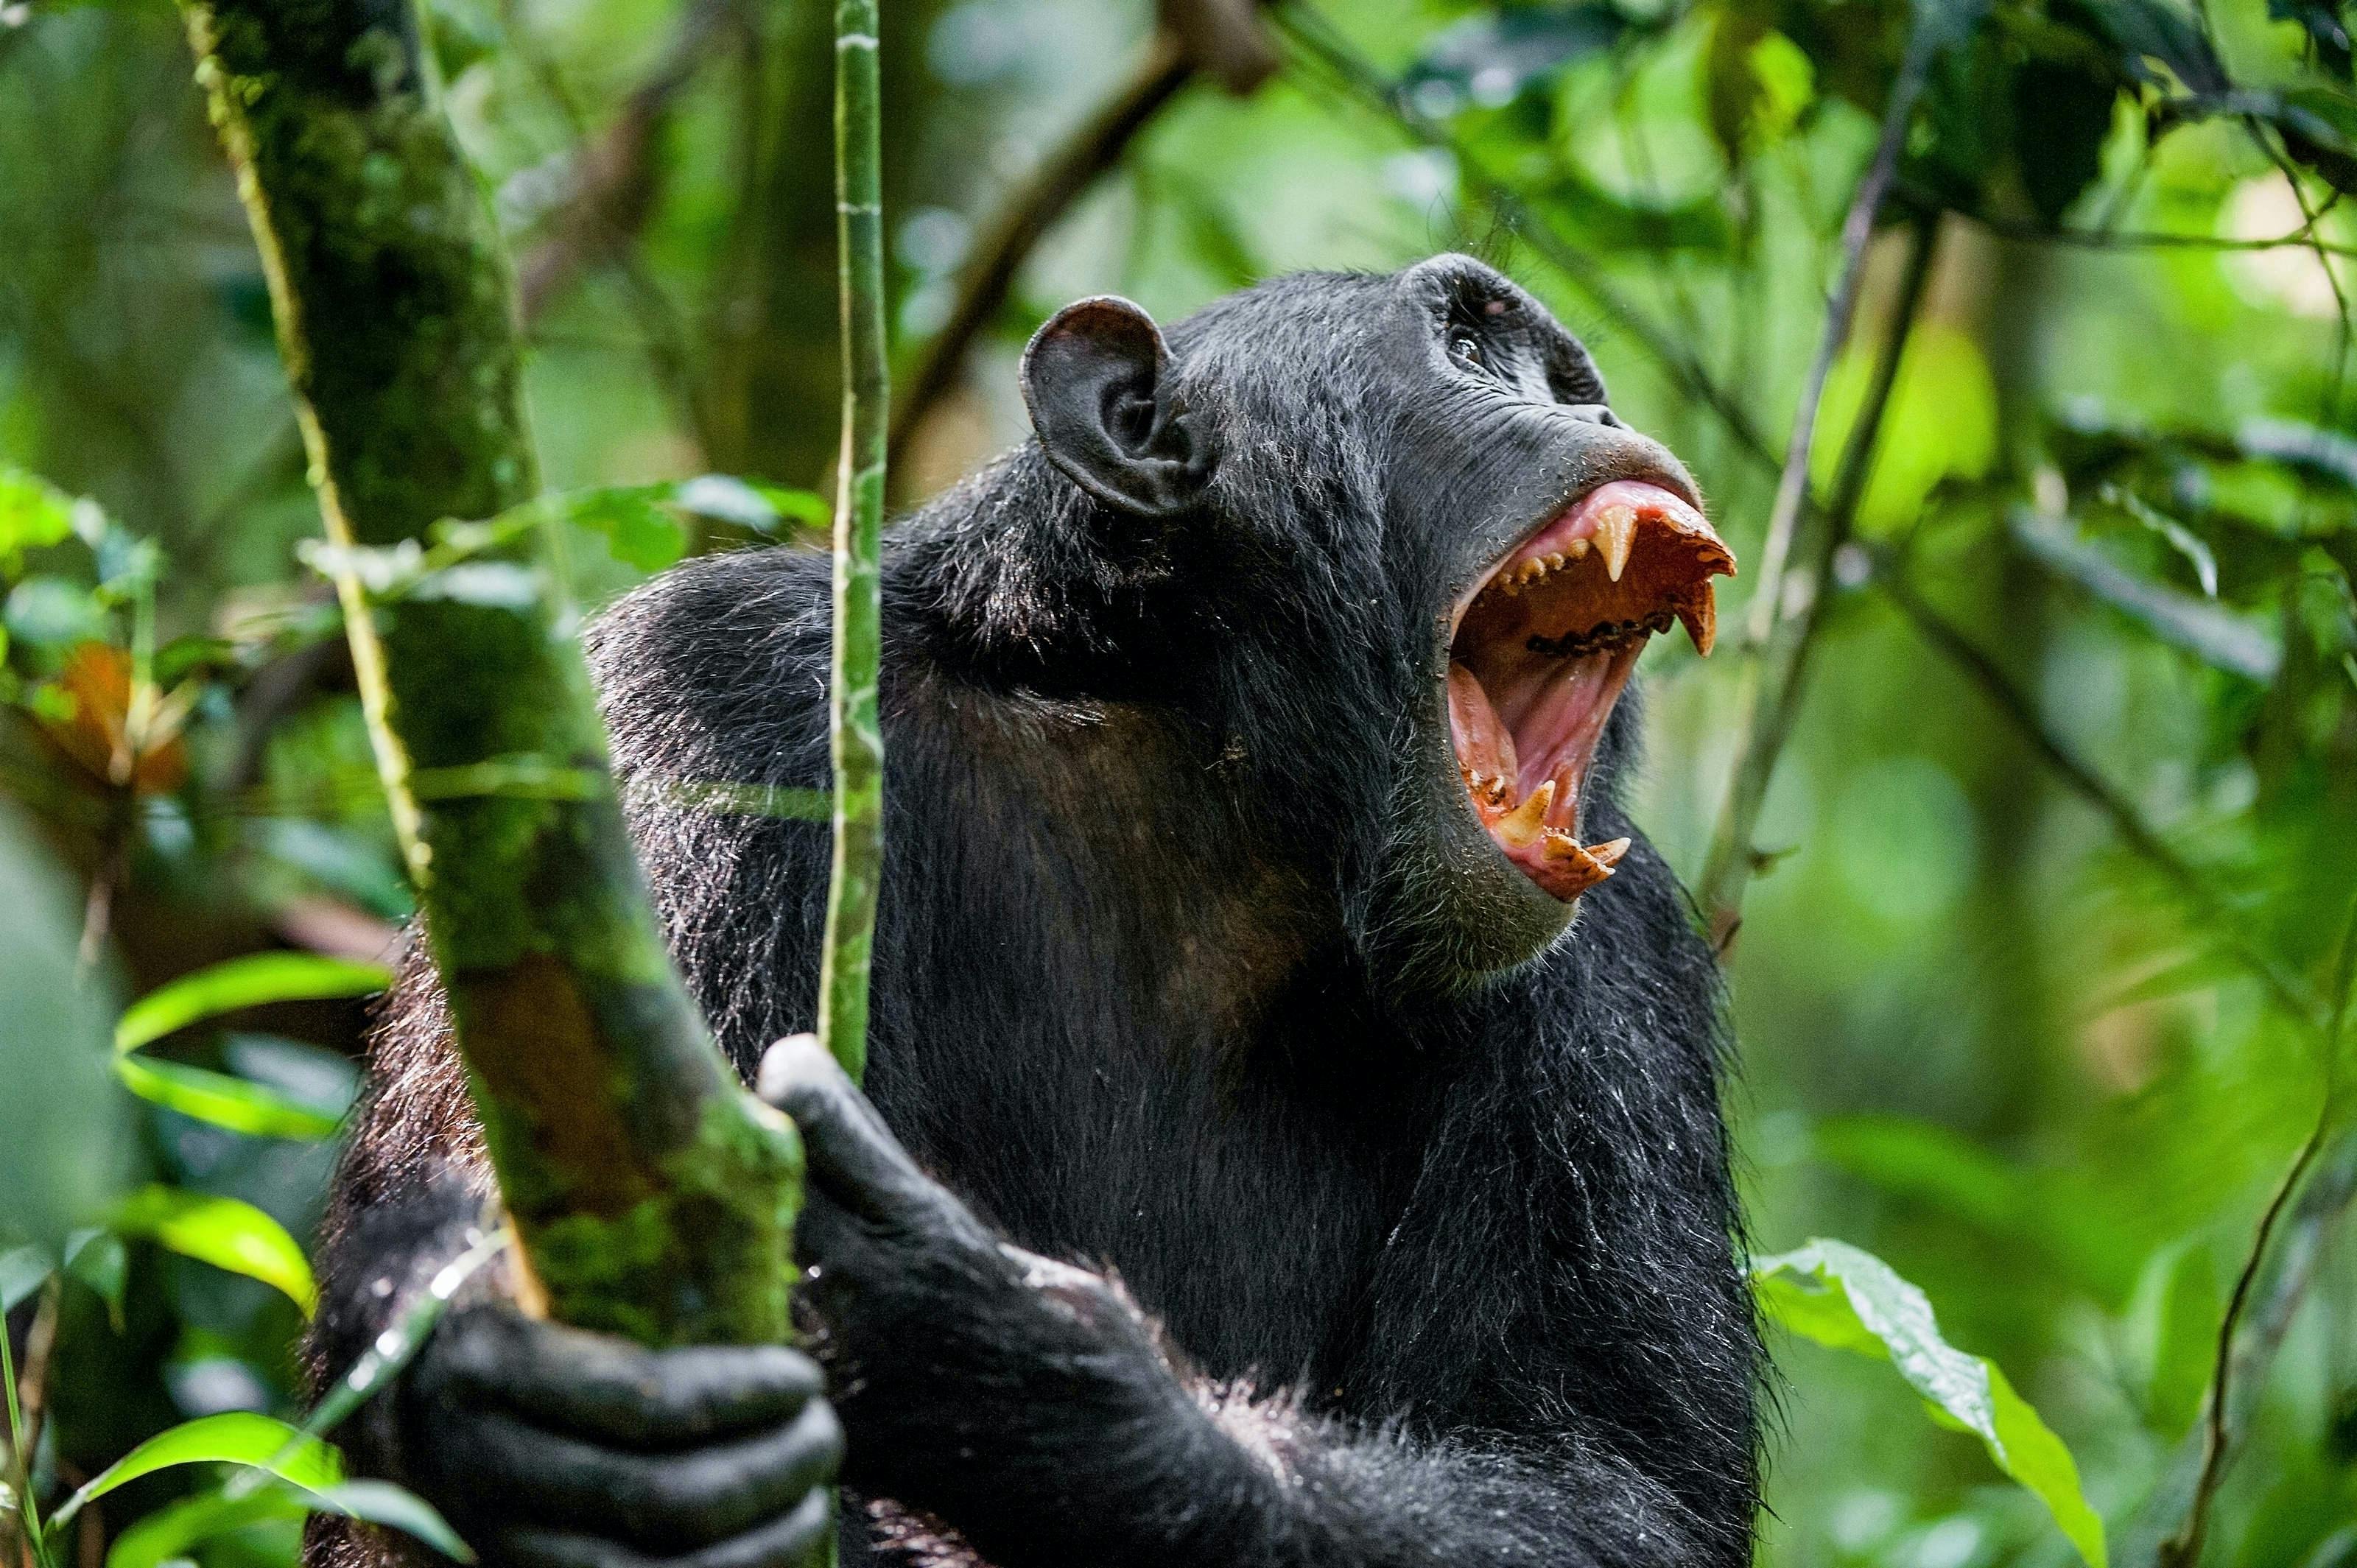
1523,577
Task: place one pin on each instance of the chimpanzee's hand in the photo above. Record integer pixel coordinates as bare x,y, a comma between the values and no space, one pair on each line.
552,1447
959,1362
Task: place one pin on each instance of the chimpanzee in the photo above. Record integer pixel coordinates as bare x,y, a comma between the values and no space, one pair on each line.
1276,1172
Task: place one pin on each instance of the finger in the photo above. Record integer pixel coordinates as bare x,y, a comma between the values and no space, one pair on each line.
654,1502
852,1152
789,1541
600,1386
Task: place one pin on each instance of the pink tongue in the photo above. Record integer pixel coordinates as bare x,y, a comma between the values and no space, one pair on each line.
1484,743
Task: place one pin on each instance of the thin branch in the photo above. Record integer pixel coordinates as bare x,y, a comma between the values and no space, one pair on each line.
1318,45
2145,239
614,183
2183,1549
1776,677
1857,229
1096,146
1945,639
1781,633
2146,1538
613,193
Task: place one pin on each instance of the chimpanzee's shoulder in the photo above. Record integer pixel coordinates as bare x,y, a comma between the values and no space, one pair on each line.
724,656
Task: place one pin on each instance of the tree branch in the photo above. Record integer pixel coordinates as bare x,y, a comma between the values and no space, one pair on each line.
615,177
653,1197
1784,623
2288,990
1317,45
1096,146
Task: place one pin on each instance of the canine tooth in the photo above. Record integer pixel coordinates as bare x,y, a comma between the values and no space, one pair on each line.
1608,854
1523,824
1701,620
1616,531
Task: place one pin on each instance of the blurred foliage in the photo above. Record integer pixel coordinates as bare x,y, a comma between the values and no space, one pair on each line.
2041,983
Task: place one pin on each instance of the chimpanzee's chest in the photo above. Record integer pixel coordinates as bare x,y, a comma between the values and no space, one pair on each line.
1245,1205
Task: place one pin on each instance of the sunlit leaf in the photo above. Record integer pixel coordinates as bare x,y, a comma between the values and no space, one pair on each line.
223,1231
236,1437
2208,630
222,1101
765,509
33,513
246,982
1848,1299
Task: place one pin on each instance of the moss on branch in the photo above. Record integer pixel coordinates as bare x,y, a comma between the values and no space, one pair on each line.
652,1195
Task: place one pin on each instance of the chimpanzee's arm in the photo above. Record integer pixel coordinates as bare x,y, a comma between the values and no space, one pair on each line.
1028,1404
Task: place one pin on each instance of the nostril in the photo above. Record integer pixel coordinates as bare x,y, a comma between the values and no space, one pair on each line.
1592,414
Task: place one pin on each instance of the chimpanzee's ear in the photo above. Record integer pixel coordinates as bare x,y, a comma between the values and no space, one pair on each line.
1094,380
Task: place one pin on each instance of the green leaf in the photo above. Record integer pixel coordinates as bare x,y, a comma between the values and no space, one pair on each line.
638,532
64,1148
382,1502
2328,34
50,611
1850,1300
33,513
99,1260
23,1270
2212,633
222,1101
762,509
169,1533
246,982
237,1437
223,1231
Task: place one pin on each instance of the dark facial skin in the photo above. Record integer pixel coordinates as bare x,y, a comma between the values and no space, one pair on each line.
1506,425
1254,1165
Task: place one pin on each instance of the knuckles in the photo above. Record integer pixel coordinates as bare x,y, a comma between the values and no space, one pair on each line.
550,1447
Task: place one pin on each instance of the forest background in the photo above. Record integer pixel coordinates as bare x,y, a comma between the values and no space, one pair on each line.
2031,770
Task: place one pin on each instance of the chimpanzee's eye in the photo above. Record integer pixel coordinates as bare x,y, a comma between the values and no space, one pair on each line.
1467,347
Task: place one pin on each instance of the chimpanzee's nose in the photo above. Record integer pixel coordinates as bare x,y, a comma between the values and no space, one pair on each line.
1592,414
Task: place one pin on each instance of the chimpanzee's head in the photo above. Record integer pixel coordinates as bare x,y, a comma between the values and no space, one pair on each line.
1387,535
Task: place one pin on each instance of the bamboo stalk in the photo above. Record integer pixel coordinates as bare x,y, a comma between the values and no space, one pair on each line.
651,1196
856,736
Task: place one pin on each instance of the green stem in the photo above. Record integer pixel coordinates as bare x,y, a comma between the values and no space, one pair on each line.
855,735
1784,630
651,1196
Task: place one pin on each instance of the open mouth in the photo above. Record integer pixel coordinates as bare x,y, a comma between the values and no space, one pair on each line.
1541,649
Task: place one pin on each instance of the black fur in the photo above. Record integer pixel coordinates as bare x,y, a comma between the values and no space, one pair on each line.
1449,1259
